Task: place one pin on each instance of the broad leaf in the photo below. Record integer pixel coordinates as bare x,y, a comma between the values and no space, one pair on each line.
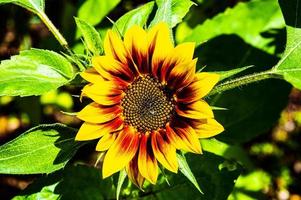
35,6
137,16
171,11
290,64
73,182
246,20
91,36
43,149
215,176
93,11
34,72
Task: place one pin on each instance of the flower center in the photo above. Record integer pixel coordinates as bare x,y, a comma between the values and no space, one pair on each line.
147,105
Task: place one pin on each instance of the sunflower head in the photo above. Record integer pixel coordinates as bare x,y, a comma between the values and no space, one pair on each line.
147,103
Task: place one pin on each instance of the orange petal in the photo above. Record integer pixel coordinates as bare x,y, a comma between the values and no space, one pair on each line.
181,75
121,152
135,41
147,163
133,172
195,110
95,113
102,88
106,142
164,151
89,131
208,128
114,47
112,69
200,87
91,75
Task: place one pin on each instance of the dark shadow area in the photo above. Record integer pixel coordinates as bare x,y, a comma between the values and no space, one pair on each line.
252,109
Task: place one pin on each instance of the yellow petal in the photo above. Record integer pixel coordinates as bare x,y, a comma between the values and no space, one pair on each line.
209,128
121,152
164,152
114,47
147,163
195,110
95,113
111,68
91,75
160,44
135,41
89,131
183,52
106,142
190,139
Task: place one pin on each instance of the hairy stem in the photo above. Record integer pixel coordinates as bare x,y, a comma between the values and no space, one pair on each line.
54,31
244,80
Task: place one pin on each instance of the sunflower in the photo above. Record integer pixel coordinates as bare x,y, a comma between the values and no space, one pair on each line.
147,103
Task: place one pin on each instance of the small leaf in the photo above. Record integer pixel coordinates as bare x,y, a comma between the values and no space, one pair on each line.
91,36
171,11
121,179
34,72
290,66
186,171
93,11
43,149
35,6
137,16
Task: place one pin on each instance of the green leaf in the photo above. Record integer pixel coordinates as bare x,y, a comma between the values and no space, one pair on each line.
34,72
137,16
186,171
290,64
35,6
121,179
247,20
91,36
171,11
73,182
215,176
93,11
43,149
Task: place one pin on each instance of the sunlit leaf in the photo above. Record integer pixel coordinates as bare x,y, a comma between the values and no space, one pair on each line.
32,5
171,11
93,11
137,16
34,72
43,149
91,36
290,64
247,20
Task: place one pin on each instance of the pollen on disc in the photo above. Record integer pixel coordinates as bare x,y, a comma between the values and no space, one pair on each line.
147,105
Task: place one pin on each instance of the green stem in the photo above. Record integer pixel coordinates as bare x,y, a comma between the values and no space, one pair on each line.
54,31
244,80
